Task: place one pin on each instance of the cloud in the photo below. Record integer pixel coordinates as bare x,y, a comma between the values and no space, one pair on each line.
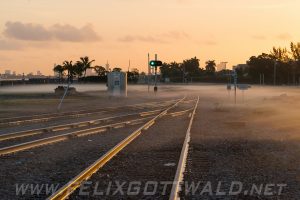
73,34
29,31
259,37
175,35
9,45
157,38
210,42
133,38
37,32
284,36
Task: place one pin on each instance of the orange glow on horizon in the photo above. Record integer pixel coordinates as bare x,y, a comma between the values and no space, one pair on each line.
36,34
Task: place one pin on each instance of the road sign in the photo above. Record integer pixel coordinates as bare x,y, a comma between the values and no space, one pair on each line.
243,86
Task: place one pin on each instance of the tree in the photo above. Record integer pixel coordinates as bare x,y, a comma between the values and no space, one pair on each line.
171,70
295,62
69,67
262,64
282,65
79,69
60,70
133,75
101,71
279,54
191,66
86,64
117,69
210,66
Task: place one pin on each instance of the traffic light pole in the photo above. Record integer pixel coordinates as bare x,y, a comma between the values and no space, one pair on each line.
149,72
155,84
155,63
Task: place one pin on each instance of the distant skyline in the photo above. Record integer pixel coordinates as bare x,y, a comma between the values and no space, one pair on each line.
35,34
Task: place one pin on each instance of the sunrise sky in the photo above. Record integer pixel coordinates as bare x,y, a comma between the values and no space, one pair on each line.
35,34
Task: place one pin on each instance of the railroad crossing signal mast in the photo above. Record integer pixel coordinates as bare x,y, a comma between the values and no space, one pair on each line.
154,64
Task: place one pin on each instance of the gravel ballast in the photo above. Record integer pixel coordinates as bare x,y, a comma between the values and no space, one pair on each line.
56,163
150,160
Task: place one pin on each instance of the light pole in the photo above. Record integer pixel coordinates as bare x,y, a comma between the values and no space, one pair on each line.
149,71
275,65
235,84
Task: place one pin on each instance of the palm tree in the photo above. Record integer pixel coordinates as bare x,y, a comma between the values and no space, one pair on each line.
86,64
70,69
79,69
60,70
210,66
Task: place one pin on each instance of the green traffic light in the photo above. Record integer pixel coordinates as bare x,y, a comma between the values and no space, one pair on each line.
152,63
155,63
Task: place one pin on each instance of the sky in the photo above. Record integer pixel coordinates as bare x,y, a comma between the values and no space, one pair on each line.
36,34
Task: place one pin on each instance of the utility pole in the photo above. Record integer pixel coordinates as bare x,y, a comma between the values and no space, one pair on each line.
129,65
107,66
148,72
275,65
235,84
260,79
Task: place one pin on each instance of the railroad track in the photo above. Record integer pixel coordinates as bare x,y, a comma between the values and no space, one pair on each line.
48,117
72,185
63,127
79,133
66,136
183,159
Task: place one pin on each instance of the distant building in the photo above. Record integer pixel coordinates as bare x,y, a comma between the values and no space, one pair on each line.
91,72
30,75
39,73
221,66
7,72
107,66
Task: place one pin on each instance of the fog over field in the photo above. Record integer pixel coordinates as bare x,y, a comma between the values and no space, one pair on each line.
255,141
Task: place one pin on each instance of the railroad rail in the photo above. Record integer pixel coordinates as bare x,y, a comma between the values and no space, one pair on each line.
31,132
76,114
72,185
66,136
80,133
183,157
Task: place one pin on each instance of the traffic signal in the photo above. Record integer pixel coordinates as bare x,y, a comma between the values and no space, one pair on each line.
155,63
